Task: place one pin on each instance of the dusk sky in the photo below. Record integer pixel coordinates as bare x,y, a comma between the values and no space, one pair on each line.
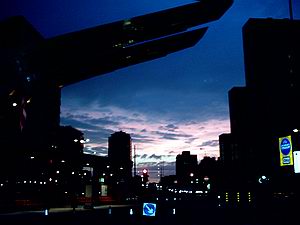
168,105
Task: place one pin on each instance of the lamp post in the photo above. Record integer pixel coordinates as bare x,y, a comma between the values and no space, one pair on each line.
291,9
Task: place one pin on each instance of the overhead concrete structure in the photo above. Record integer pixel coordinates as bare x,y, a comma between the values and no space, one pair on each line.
79,55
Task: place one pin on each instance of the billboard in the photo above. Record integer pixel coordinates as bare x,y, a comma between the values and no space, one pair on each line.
103,190
286,151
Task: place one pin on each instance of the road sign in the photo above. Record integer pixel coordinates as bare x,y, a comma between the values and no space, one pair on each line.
149,209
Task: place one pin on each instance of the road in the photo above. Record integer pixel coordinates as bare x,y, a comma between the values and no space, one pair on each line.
130,214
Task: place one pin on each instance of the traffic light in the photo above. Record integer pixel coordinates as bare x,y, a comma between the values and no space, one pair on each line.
145,176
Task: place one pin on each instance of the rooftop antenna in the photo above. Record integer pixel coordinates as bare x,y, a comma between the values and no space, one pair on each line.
291,9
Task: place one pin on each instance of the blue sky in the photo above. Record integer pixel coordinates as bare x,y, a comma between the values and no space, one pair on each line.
168,105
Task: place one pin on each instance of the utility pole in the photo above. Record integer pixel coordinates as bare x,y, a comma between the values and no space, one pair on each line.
291,9
134,158
162,168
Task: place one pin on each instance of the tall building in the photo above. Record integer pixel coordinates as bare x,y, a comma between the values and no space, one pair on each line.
186,167
120,155
266,108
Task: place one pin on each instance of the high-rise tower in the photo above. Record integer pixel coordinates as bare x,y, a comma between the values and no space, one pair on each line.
266,108
120,155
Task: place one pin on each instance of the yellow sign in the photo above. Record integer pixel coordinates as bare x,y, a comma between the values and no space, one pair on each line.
286,151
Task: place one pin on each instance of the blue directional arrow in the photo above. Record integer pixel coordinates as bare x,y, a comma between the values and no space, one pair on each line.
149,209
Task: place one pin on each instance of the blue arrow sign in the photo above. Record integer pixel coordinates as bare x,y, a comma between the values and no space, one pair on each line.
149,209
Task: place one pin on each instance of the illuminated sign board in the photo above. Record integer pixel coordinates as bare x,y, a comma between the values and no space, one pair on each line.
285,149
296,161
149,209
103,190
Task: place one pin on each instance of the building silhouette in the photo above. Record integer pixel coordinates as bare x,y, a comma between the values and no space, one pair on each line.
120,155
45,178
186,167
266,108
120,163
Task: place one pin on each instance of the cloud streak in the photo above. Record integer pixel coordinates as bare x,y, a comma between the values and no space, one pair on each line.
156,139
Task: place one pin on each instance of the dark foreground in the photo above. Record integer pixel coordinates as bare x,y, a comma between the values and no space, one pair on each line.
184,215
